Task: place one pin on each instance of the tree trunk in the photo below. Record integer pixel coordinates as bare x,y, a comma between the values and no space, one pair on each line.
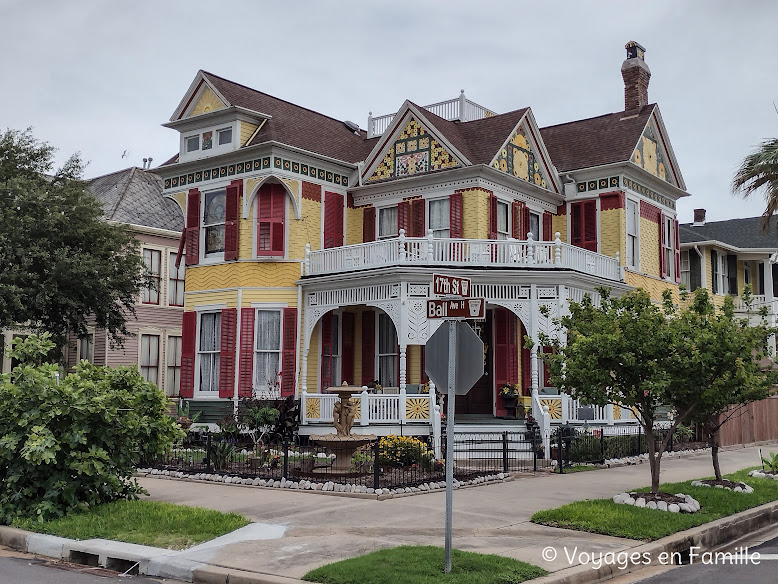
653,460
714,452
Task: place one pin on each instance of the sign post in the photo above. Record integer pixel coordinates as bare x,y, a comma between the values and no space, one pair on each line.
454,362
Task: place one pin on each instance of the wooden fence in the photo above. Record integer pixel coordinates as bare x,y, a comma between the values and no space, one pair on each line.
755,422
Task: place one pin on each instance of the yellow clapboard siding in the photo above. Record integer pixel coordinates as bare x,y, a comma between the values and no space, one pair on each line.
208,102
246,130
475,214
242,275
559,224
413,355
612,233
274,296
228,297
649,247
353,226
654,286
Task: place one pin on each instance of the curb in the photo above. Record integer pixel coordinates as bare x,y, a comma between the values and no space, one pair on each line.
160,563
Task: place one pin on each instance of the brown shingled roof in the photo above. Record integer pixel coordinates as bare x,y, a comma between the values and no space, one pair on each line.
595,141
294,125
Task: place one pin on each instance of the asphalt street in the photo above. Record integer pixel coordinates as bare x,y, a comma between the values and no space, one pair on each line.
16,568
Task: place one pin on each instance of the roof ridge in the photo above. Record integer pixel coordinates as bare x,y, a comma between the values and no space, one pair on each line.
278,98
651,105
523,110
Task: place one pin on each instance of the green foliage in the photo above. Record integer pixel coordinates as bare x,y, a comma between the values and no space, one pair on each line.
259,417
222,452
759,171
59,260
182,410
152,523
771,463
424,565
74,445
400,451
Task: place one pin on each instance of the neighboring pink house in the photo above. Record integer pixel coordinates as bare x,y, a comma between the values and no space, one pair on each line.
133,197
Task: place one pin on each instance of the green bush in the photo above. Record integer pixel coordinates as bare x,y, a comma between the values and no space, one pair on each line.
400,451
74,444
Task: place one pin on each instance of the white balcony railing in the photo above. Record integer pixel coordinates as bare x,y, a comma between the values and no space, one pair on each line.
428,251
563,408
459,108
371,408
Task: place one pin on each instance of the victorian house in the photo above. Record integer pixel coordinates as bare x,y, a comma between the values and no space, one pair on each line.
311,244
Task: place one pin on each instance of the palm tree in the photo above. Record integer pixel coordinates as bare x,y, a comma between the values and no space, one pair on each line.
760,169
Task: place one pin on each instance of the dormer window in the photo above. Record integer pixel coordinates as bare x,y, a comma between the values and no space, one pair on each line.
193,143
225,136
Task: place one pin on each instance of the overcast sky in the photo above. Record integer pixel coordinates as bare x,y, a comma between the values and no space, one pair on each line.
99,77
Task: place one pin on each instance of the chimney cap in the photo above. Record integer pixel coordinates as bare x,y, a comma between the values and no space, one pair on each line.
635,50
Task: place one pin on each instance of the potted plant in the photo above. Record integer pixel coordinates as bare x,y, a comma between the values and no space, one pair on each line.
510,393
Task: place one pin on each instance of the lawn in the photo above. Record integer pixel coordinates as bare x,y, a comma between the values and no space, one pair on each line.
153,523
606,517
424,565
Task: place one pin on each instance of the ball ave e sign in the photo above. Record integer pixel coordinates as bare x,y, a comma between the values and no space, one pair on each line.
469,359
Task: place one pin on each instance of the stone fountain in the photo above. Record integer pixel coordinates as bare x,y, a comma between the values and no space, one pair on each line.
343,442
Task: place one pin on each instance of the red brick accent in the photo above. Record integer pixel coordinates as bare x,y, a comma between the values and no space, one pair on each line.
648,211
311,191
636,80
562,209
612,200
482,189
350,201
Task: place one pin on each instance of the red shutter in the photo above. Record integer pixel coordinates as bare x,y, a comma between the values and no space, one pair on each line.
547,233
333,220
418,217
347,346
193,227
270,220
188,345
501,355
368,346
513,347
526,365
677,252
246,374
492,217
455,215
227,353
368,224
662,263
289,358
517,220
326,351
404,216
231,219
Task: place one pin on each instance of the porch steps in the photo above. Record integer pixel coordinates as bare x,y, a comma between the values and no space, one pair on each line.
485,440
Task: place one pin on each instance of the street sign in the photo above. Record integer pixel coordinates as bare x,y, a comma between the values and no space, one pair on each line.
473,308
469,358
450,286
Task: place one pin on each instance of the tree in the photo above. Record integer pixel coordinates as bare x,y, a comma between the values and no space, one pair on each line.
720,361
618,353
74,443
60,262
760,170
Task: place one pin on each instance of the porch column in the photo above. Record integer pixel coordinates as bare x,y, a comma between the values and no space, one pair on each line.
403,367
304,369
768,280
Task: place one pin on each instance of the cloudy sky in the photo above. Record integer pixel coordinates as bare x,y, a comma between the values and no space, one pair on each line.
99,77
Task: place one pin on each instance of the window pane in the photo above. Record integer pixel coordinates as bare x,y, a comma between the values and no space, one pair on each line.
193,143
268,330
176,281
387,371
209,372
439,215
225,136
210,331
502,217
266,373
387,223
534,225
87,346
215,207
387,336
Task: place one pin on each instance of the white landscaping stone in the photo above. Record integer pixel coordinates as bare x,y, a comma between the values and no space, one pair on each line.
661,505
379,492
641,502
629,500
651,505
673,508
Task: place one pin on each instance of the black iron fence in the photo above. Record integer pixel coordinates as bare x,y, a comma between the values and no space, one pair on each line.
572,445
390,462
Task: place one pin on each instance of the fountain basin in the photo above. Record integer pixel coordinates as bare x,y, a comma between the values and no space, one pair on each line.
343,447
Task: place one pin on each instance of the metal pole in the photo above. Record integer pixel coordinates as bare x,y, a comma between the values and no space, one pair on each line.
376,463
452,354
505,452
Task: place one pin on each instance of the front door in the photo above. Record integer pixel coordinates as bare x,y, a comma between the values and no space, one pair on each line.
480,398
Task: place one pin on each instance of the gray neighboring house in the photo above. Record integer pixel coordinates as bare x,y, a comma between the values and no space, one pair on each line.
133,198
724,256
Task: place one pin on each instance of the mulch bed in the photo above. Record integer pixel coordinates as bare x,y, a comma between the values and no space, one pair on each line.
656,497
726,483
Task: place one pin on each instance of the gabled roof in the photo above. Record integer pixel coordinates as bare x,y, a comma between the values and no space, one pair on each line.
134,196
740,233
595,141
294,125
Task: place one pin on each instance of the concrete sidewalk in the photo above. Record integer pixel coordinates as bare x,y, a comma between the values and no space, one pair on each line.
491,518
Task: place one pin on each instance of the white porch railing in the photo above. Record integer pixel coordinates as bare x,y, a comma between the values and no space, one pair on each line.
370,408
428,251
562,409
460,108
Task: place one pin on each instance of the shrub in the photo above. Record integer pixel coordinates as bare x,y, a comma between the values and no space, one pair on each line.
221,454
74,444
402,451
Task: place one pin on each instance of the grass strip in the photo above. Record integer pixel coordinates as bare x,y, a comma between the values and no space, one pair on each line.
163,525
606,517
424,565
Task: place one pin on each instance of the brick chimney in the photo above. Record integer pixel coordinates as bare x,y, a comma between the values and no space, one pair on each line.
699,217
636,75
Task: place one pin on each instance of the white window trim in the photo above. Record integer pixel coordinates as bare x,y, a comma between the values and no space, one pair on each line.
635,267
174,253
669,247
162,273
171,333
200,311
280,351
429,217
186,144
160,383
378,235
507,233
218,133
214,257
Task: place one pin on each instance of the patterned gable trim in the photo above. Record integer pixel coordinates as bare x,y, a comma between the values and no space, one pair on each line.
650,154
518,158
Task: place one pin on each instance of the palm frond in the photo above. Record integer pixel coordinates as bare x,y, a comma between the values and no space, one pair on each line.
759,170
